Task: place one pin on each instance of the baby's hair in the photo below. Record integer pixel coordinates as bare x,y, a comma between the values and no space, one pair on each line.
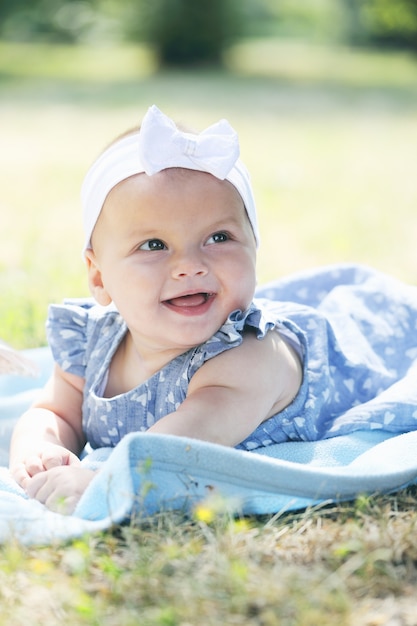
126,133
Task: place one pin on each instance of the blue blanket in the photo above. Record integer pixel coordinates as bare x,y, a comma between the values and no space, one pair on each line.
148,473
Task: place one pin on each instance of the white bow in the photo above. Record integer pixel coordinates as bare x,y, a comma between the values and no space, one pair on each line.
162,145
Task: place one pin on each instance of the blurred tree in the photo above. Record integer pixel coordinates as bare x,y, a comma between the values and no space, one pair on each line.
315,20
383,22
187,32
65,21
391,23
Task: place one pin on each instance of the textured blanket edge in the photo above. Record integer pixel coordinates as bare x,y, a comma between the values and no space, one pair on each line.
148,473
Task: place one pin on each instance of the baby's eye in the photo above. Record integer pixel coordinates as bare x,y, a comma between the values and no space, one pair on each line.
153,244
218,238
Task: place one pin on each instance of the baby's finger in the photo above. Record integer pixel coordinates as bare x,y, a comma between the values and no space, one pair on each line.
34,465
49,492
35,484
21,475
50,459
73,459
37,487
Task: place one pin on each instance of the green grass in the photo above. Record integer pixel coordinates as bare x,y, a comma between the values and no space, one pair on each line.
347,564
330,137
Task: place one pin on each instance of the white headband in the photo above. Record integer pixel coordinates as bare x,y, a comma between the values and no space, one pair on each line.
159,145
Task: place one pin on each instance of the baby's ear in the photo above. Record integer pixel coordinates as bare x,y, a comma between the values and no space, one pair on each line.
95,281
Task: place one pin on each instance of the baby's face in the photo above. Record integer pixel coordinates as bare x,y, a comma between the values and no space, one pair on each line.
176,254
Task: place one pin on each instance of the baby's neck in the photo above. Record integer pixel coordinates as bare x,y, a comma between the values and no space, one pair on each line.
131,367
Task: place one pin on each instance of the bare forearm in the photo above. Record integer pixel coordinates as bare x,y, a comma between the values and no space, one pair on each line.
37,427
210,417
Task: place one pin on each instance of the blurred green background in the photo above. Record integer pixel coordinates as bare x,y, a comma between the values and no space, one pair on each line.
323,94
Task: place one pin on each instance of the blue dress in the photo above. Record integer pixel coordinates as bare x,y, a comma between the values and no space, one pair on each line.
354,328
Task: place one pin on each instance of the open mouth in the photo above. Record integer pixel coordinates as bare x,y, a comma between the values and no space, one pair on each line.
190,300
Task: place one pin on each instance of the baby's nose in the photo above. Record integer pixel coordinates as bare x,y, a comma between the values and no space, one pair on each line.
190,264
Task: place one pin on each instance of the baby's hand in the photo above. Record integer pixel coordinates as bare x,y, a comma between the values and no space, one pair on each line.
51,455
60,488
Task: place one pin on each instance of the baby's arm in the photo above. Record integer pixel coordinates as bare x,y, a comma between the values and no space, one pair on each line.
236,391
48,439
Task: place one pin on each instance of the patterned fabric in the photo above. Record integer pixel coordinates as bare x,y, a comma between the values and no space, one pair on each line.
356,329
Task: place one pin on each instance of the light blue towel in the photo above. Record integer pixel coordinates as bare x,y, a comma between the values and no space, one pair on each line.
149,473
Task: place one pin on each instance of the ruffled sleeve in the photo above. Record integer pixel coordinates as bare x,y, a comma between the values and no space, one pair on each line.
66,330
230,335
